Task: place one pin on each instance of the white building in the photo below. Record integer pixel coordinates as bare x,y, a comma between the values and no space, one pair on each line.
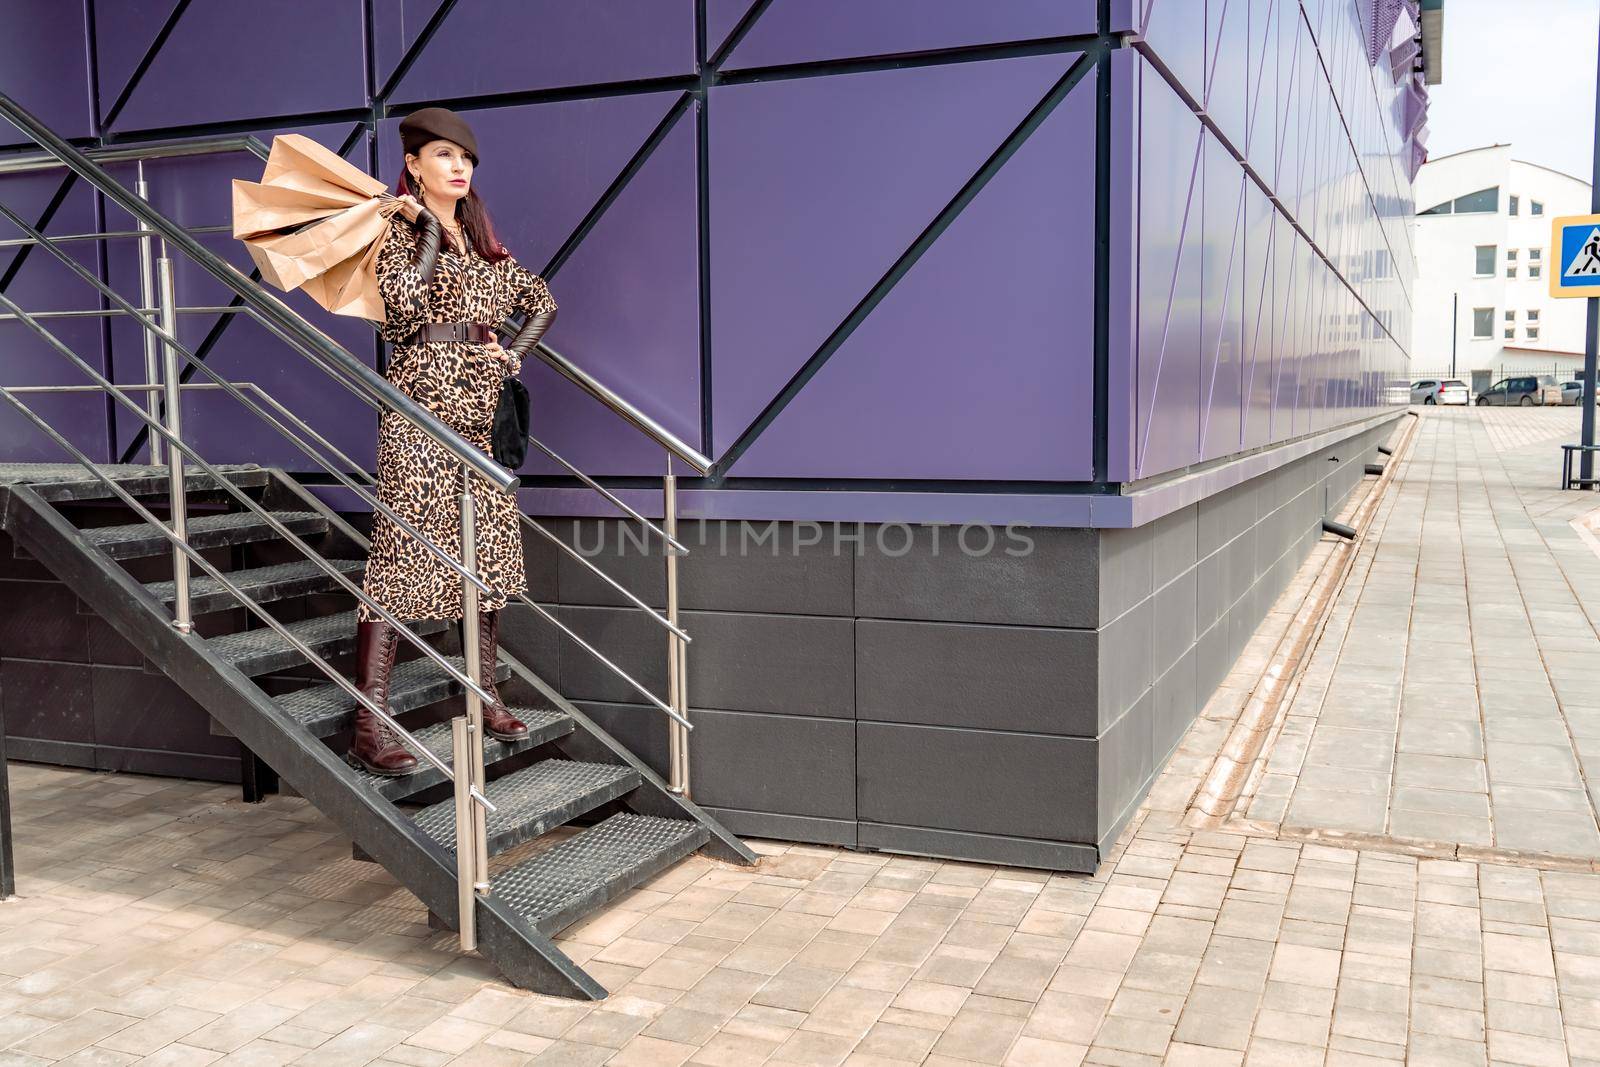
1482,242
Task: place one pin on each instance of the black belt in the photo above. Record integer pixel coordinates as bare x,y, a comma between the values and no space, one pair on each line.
452,331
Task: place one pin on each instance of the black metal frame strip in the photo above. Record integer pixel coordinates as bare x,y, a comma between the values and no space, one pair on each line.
1099,466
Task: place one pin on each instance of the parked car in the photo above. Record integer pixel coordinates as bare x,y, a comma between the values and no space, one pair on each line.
1571,393
1524,390
1439,391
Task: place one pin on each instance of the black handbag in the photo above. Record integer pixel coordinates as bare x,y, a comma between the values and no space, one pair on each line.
510,435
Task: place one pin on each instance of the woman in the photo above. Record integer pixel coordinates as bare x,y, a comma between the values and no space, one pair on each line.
446,282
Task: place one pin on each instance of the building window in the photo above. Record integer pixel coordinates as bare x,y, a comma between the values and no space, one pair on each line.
1511,205
1511,333
1511,316
1485,260
1535,208
1533,333
1481,202
1533,270
1533,314
1483,323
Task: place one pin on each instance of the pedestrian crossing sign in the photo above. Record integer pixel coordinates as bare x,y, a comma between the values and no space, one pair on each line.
1575,240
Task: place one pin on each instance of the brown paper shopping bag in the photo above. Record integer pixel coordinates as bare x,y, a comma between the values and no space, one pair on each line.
315,222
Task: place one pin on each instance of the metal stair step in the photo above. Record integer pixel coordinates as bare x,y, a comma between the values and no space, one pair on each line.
260,651
139,480
535,800
563,884
205,531
262,584
543,725
325,709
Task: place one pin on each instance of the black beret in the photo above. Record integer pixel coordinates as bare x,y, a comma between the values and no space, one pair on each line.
434,124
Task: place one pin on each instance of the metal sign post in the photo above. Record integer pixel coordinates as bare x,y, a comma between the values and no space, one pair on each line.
1575,242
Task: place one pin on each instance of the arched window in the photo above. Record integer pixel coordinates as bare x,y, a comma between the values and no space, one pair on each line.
1482,202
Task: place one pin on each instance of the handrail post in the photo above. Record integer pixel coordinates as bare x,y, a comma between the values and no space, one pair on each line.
677,650
147,299
472,829
466,893
182,619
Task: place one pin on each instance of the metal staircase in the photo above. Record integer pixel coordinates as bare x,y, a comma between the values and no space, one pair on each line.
505,842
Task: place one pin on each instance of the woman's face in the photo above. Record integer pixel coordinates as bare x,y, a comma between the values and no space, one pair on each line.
444,167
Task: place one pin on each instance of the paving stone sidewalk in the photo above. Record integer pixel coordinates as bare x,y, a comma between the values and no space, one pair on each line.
1455,696
164,922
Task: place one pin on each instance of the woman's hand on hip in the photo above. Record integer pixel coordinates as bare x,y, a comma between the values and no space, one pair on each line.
512,364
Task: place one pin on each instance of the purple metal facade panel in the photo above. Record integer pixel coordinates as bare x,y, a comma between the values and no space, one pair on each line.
568,150
1221,276
123,33
722,17
489,46
1014,351
802,31
1168,340
630,315
818,185
1302,302
44,63
396,27
1122,289
254,61
1228,329
42,283
195,191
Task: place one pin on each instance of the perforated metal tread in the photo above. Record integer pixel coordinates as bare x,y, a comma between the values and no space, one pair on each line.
324,709
205,531
62,483
556,888
259,651
534,800
262,584
543,725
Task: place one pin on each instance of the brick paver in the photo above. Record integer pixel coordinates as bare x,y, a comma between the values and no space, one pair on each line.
1455,697
164,922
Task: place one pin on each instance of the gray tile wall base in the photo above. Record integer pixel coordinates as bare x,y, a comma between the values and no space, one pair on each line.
1008,709
979,848
779,827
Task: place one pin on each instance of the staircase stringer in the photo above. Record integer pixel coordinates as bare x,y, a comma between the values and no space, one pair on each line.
527,958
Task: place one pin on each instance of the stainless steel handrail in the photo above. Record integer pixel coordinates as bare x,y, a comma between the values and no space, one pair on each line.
126,307
198,558
176,443
378,392
199,146
277,316
171,341
671,541
607,396
138,313
12,242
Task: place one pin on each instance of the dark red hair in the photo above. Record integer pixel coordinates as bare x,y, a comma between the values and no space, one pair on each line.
472,215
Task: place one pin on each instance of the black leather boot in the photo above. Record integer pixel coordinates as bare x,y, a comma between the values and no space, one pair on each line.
375,747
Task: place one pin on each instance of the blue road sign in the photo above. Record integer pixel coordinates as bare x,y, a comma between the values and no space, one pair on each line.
1576,241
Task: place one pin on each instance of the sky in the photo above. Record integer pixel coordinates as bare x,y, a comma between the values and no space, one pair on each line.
1518,72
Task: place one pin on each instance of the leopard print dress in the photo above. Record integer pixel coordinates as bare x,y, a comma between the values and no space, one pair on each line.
460,383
